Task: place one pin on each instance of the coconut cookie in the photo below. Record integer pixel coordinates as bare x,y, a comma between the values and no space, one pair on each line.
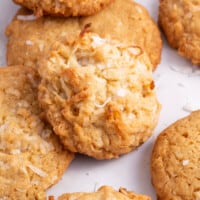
31,158
98,95
30,39
105,193
176,160
64,7
180,22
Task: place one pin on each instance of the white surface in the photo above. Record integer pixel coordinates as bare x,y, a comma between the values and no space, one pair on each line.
177,84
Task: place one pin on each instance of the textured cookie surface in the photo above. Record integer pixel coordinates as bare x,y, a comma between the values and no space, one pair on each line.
31,158
99,96
64,7
30,38
176,160
104,193
180,21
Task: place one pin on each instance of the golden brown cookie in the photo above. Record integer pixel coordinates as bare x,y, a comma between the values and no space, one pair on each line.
105,193
31,158
64,7
29,39
176,160
180,21
98,95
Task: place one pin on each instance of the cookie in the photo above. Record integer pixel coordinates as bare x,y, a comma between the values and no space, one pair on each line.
106,193
64,7
31,158
30,39
176,160
179,20
98,95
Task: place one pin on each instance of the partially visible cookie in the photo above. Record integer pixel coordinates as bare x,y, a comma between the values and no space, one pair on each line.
31,157
176,160
105,193
99,96
180,22
64,7
30,39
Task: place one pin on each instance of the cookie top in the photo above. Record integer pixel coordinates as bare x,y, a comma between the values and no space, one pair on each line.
31,158
105,193
98,95
176,160
64,7
30,39
180,22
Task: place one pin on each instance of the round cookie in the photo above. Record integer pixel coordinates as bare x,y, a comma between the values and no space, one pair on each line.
180,22
176,160
30,39
31,157
64,7
98,95
106,193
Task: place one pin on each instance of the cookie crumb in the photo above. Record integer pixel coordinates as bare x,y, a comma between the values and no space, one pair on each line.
181,85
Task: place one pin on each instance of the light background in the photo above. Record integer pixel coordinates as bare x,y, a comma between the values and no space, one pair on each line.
178,89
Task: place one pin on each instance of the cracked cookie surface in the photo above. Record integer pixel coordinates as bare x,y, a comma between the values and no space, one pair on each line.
99,96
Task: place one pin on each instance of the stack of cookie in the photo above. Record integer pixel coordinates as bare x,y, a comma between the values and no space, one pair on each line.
86,72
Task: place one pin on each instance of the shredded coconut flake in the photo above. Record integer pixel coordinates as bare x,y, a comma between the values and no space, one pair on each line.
41,47
3,127
32,81
15,151
135,51
97,41
20,190
26,17
29,42
104,104
139,9
185,162
121,92
37,170
101,66
120,24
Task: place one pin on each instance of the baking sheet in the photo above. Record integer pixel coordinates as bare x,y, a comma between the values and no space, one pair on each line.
178,89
